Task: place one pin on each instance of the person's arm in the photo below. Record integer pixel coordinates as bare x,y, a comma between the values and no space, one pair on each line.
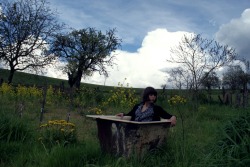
173,120
131,113
163,114
159,111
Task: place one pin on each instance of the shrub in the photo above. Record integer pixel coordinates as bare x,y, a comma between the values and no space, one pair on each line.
58,132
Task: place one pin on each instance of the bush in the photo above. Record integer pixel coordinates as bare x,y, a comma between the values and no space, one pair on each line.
58,132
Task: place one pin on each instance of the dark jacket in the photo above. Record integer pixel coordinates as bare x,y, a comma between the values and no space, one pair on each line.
159,113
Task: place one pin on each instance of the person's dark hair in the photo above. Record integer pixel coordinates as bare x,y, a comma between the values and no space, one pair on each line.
148,91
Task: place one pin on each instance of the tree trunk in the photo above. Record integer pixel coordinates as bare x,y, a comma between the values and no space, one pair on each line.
78,79
71,80
11,74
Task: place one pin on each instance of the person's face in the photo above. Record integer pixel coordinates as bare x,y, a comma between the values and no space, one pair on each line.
152,98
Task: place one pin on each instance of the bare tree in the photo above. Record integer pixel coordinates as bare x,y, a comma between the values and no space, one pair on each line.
179,78
26,30
86,51
197,55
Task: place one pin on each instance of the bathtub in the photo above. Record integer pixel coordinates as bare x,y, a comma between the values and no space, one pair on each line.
122,137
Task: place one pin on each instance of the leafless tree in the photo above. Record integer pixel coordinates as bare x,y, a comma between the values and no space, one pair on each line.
179,78
198,56
26,31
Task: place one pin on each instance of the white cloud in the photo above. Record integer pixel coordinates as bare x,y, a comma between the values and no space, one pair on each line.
143,68
236,34
55,70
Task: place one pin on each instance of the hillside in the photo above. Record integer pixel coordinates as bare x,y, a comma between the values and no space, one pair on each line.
33,79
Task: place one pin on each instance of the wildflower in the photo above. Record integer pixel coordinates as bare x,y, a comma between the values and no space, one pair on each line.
177,100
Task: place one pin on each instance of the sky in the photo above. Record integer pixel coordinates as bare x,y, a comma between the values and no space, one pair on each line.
149,28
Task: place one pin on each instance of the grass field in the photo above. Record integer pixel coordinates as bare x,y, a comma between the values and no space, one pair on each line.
212,135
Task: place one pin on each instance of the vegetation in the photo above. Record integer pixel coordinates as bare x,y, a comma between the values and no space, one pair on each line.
32,39
214,135
86,51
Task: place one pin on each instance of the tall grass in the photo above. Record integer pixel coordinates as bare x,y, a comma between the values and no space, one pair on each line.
16,136
201,135
214,135
232,147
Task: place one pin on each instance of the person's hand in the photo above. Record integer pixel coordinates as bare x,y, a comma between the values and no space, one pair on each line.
120,115
173,120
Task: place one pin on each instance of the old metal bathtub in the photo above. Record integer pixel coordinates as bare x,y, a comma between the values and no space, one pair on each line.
122,137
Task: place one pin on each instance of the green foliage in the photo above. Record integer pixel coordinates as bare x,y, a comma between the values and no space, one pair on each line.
13,128
85,51
233,145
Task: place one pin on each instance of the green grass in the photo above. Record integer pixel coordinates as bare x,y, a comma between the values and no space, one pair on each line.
215,135
30,79
202,132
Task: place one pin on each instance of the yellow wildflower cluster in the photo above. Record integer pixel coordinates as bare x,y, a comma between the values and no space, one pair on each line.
96,110
121,96
177,100
58,132
23,91
32,93
62,123
6,89
20,91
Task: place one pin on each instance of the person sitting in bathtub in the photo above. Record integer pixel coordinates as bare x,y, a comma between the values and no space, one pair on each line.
147,110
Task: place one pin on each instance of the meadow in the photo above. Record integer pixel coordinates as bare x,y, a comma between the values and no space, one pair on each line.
60,135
